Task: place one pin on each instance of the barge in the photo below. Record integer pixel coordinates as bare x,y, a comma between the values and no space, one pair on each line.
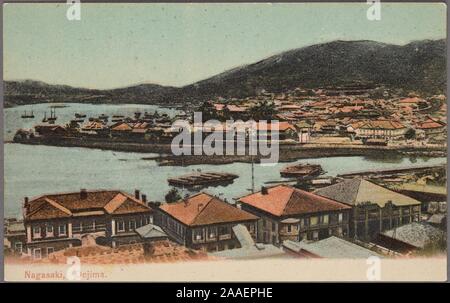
202,179
301,171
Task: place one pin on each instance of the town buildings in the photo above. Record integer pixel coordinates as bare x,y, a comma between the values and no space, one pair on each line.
287,213
413,237
58,221
332,247
375,208
14,236
204,222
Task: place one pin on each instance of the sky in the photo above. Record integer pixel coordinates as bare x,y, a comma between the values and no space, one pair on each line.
116,45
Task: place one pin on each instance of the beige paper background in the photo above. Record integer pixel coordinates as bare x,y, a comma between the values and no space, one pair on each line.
417,269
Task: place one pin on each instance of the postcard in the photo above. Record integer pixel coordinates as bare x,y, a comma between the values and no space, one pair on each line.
166,142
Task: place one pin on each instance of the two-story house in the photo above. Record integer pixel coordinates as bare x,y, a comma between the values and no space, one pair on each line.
203,222
288,213
58,221
375,208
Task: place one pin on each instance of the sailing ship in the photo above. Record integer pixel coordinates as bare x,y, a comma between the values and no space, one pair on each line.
45,117
52,117
27,116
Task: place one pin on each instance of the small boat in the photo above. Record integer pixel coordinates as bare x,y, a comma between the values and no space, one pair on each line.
77,115
103,117
27,116
77,120
301,170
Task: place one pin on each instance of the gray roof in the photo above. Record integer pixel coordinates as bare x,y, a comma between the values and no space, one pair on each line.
332,247
252,252
357,191
243,236
437,218
15,227
151,231
416,234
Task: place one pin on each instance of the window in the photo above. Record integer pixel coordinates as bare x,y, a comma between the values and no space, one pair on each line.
274,226
50,250
289,228
314,221
36,232
62,230
49,230
132,225
77,227
198,234
18,247
315,235
212,232
325,219
224,230
120,226
37,253
340,218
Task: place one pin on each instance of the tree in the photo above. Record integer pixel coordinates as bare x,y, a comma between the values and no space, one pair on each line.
208,111
410,134
173,195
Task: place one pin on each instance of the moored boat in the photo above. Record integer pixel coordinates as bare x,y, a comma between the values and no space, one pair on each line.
27,116
301,170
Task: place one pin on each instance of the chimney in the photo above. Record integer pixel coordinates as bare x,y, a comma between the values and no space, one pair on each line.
137,194
144,199
25,205
264,190
83,194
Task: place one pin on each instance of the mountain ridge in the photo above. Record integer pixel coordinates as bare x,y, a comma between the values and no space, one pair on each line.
419,65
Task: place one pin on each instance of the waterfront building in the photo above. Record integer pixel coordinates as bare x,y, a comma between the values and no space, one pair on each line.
204,222
58,221
432,127
375,208
380,129
288,213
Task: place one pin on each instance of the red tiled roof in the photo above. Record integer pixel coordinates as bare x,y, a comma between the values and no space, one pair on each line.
71,204
382,124
411,100
282,126
285,200
430,124
204,209
122,127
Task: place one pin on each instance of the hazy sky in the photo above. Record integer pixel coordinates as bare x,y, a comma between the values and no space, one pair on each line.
115,45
